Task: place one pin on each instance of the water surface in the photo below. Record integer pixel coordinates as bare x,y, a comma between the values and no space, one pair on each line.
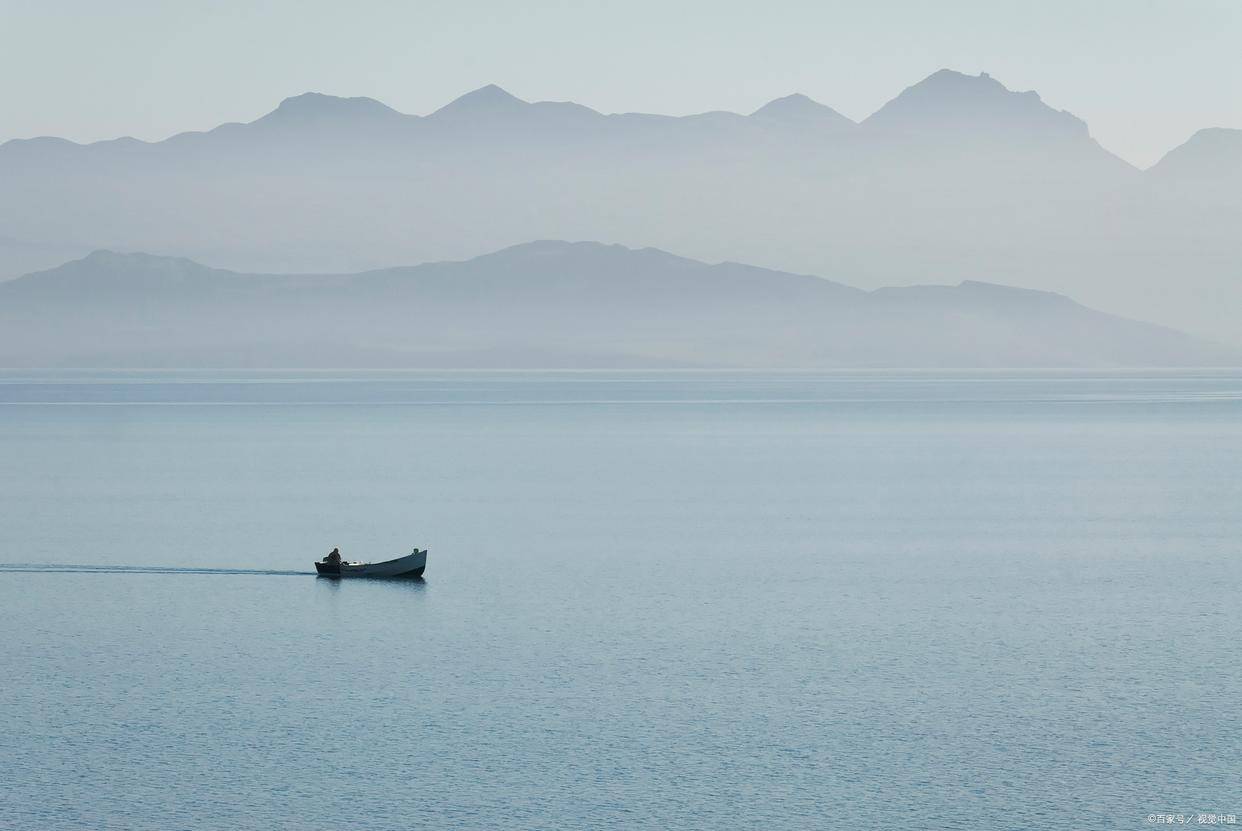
668,600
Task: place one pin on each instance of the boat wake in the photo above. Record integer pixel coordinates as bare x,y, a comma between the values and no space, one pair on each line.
79,568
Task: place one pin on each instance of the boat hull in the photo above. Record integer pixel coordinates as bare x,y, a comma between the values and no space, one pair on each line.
411,565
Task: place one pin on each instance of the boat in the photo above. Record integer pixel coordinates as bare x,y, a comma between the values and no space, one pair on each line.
411,565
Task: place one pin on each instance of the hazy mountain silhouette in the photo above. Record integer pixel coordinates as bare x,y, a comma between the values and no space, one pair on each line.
549,304
956,178
800,110
486,102
1213,155
980,106
315,110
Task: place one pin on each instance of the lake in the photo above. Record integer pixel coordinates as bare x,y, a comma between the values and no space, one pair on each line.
653,600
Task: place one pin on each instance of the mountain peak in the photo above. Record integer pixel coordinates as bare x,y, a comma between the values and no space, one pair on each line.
102,256
315,106
104,272
952,102
488,99
1211,153
801,109
951,77
106,259
587,251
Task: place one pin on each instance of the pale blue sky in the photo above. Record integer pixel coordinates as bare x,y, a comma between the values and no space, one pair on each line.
1144,75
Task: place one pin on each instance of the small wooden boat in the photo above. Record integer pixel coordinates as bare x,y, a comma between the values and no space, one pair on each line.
411,565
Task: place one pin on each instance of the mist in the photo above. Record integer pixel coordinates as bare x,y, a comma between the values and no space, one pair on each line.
957,178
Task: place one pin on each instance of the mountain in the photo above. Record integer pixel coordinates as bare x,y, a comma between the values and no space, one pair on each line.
315,111
1213,155
487,101
549,304
803,111
964,105
958,177
976,119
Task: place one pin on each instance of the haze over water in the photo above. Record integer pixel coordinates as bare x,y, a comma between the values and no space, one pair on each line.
666,600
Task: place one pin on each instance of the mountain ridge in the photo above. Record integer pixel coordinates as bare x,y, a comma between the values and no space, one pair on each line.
1211,151
575,304
945,97
493,99
957,177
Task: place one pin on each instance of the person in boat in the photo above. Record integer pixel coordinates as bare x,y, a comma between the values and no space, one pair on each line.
333,558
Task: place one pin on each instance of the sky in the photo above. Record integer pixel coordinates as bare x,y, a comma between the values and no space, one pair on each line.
1144,75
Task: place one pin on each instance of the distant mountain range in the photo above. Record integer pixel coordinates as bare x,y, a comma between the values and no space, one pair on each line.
955,178
551,304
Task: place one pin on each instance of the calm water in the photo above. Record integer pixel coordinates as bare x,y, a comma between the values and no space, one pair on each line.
700,601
